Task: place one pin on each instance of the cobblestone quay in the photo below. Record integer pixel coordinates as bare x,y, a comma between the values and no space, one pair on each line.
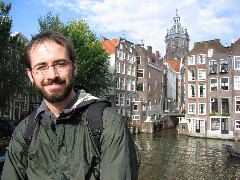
167,155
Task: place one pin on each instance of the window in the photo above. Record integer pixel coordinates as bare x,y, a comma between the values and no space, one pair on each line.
118,67
210,52
191,108
117,98
117,83
138,58
133,85
237,124
201,59
140,73
213,66
149,87
122,99
214,105
191,75
135,107
129,84
236,60
129,70
223,65
191,60
199,126
224,84
122,83
213,84
140,87
149,105
202,91
225,105
149,74
237,104
191,91
123,68
128,98
201,75
202,108
237,82
135,117
215,124
133,71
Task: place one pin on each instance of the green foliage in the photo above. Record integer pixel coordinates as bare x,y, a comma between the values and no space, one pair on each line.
213,113
225,114
11,69
92,59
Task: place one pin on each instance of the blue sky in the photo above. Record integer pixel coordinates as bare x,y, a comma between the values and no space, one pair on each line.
137,19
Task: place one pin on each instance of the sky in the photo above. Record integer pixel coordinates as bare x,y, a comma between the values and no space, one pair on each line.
138,21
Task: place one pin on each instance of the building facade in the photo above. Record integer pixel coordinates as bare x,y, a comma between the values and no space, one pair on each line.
212,73
147,101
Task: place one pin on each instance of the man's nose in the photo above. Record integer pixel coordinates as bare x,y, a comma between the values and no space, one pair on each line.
52,72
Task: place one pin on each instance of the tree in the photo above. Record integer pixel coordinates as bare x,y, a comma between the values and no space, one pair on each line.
11,69
92,59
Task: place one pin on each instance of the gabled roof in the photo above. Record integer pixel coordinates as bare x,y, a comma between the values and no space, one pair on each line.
174,64
109,45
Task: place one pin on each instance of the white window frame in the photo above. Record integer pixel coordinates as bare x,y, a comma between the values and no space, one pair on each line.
129,70
191,60
190,77
140,59
236,82
117,98
142,72
235,104
136,117
204,90
237,124
189,90
193,109
203,74
133,87
133,71
204,58
228,104
128,99
122,99
123,68
117,83
122,83
227,83
118,66
204,110
214,86
236,58
129,84
218,125
134,109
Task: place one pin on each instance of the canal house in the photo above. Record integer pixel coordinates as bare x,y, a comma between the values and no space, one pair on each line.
212,73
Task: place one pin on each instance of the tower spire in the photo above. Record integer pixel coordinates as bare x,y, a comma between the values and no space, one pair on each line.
176,12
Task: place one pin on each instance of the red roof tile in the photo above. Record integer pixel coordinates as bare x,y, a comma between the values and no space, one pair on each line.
109,45
174,64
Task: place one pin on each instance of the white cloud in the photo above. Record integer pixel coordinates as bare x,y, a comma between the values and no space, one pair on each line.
150,19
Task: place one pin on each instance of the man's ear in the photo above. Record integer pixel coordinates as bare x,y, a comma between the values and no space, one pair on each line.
29,72
75,68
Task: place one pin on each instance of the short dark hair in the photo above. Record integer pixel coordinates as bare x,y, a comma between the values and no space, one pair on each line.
52,36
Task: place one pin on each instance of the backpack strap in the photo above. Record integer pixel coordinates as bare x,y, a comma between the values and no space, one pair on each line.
94,114
30,127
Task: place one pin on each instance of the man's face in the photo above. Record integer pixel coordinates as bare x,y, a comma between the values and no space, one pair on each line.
51,71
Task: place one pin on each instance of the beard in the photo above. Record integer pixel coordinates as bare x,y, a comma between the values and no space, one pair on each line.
58,94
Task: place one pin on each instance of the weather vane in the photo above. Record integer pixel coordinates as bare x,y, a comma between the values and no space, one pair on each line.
176,12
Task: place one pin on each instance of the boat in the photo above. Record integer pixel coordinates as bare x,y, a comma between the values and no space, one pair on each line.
232,151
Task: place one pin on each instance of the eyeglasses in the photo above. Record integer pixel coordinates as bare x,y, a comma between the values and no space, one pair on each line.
60,66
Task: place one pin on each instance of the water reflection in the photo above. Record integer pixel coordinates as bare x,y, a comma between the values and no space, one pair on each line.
166,155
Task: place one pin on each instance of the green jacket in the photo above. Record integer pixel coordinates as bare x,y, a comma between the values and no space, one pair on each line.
67,152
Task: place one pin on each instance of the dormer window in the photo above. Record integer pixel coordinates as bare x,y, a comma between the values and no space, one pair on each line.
224,65
213,66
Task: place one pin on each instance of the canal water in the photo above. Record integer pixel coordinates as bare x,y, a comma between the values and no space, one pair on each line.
167,155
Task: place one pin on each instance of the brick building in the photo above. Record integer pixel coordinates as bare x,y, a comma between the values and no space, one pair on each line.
147,102
123,65
212,90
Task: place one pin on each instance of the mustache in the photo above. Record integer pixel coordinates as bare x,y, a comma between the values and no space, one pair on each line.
54,81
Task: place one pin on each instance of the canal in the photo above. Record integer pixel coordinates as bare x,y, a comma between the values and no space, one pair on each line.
167,155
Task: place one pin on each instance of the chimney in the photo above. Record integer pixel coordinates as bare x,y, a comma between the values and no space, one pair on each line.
149,49
158,58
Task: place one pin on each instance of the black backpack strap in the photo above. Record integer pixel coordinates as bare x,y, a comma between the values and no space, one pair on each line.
30,127
94,114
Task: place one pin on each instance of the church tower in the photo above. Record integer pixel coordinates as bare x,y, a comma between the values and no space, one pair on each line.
177,40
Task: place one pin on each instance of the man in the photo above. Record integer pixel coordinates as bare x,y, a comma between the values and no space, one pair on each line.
60,147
